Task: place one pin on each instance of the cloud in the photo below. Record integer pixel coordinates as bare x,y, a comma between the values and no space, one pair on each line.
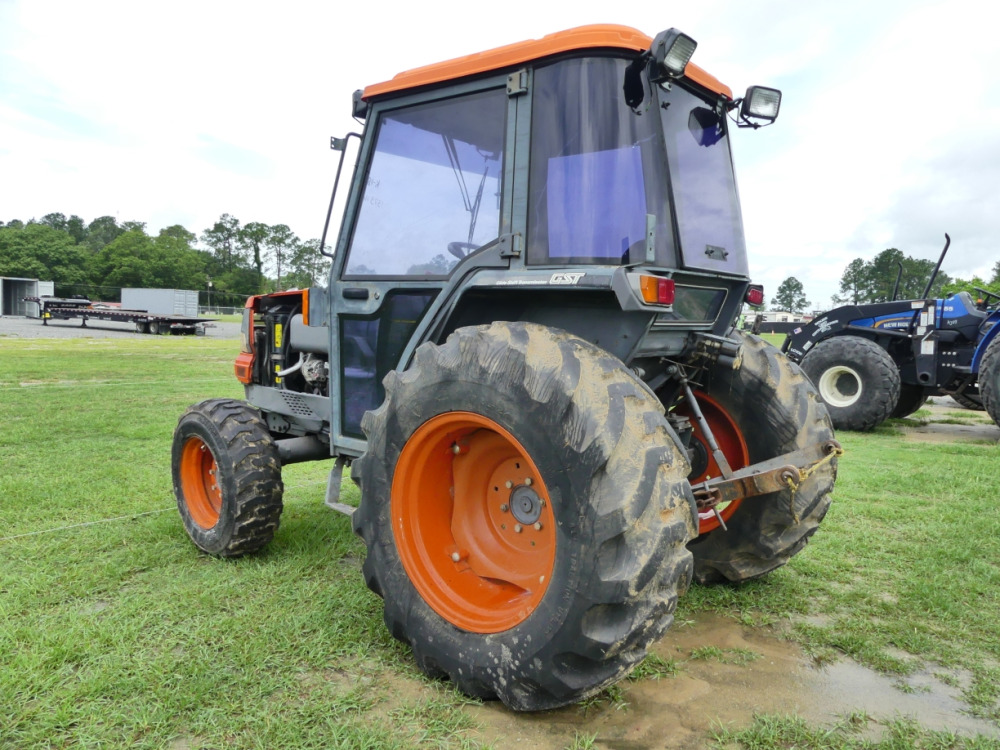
178,113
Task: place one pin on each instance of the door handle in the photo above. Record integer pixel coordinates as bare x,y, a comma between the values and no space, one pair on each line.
354,292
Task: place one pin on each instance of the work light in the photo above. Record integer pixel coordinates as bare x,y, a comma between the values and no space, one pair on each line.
671,51
761,103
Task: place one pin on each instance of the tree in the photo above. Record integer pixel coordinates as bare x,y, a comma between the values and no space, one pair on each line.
251,239
223,238
308,267
790,296
852,284
281,242
37,251
874,281
102,231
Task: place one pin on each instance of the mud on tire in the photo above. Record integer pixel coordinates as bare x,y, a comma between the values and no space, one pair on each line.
779,411
227,477
857,380
612,514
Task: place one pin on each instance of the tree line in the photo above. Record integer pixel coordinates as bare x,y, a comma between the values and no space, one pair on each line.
867,281
228,262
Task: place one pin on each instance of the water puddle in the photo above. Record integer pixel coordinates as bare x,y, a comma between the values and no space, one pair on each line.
726,673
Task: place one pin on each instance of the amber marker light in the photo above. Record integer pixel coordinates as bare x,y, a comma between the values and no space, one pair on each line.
656,290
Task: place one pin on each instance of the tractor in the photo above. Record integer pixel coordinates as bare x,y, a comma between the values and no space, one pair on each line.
526,354
885,359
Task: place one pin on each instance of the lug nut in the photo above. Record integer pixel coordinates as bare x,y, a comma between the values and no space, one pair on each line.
538,526
517,528
527,481
503,508
508,484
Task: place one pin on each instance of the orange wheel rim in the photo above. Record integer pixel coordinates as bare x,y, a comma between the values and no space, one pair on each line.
473,522
730,440
200,484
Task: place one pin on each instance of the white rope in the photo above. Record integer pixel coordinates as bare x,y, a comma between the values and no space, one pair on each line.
129,517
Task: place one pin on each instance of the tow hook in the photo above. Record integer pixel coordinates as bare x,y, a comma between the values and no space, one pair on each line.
782,472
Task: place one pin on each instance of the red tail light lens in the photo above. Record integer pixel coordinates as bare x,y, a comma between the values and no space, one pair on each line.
755,295
656,290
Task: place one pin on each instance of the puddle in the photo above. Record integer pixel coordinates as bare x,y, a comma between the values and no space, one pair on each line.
768,676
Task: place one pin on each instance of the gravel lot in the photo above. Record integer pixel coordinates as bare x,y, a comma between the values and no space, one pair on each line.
32,328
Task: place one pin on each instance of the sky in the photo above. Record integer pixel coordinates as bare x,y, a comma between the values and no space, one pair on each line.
175,113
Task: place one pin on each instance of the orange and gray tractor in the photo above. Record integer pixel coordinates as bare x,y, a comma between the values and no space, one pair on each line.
526,354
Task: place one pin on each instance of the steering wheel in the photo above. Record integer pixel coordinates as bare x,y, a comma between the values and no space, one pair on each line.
986,295
461,249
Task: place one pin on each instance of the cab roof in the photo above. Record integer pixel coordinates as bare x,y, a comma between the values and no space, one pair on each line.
604,36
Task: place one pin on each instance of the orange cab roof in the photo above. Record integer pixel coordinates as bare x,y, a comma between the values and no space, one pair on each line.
582,37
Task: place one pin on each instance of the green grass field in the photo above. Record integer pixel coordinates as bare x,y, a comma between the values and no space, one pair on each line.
116,632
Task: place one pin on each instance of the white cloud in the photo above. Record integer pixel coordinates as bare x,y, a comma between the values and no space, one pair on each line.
177,113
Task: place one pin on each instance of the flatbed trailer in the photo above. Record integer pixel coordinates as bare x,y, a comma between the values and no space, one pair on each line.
58,308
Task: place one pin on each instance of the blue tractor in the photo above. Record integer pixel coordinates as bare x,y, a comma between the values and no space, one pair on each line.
873,361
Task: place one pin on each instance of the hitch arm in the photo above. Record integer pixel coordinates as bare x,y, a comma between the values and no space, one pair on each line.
782,472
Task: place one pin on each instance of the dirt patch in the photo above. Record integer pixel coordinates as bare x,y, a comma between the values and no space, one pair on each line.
942,420
726,673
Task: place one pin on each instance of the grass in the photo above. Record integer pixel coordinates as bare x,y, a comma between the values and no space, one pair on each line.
115,632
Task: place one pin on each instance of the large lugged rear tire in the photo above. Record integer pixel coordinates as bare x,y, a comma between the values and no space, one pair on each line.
857,380
989,379
525,510
778,411
227,477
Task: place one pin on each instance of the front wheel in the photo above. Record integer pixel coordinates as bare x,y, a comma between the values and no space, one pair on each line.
989,379
525,511
763,409
227,477
911,398
857,380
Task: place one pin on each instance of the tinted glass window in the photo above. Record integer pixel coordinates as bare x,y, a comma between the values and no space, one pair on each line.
704,187
597,169
433,188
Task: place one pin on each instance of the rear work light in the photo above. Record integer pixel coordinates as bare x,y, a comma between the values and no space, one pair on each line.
656,290
755,295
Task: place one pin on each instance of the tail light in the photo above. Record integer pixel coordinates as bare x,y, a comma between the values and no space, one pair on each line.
755,295
656,290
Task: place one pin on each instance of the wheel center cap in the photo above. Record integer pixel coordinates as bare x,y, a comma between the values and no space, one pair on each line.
525,504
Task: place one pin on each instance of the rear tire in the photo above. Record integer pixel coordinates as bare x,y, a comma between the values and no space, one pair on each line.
449,515
911,398
227,477
989,379
775,406
967,401
857,380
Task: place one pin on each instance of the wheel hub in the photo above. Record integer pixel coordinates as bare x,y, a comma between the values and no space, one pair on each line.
525,504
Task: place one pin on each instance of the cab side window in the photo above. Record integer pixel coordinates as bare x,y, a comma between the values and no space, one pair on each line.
432,193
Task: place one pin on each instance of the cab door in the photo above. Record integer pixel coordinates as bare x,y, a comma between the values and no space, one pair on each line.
427,193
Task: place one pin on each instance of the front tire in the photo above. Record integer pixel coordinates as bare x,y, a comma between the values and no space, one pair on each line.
857,380
227,477
911,398
989,380
773,405
525,510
